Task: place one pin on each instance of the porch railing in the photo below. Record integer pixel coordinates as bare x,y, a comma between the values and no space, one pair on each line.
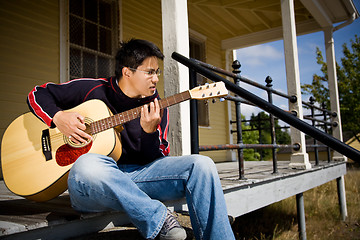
240,146
243,96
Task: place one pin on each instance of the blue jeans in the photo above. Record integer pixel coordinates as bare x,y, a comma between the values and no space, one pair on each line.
97,183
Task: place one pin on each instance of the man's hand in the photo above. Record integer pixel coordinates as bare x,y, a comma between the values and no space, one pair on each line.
72,125
150,116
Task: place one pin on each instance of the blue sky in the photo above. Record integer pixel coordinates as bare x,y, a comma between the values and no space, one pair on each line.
258,62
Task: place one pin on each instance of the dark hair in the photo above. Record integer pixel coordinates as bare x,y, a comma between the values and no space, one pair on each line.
133,52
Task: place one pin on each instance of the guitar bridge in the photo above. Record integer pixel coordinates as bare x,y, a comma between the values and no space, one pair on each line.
46,144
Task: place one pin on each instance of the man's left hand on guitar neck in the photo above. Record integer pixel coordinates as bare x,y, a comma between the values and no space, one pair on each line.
150,116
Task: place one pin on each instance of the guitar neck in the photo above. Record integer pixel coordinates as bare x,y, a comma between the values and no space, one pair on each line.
124,117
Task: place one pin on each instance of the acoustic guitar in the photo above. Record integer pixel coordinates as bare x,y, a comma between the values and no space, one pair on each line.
36,159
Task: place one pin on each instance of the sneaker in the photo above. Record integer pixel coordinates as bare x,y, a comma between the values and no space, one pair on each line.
172,230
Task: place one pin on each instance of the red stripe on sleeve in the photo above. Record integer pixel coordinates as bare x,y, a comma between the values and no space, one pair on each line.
37,108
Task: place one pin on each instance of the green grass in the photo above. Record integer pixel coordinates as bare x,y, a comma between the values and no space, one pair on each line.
322,213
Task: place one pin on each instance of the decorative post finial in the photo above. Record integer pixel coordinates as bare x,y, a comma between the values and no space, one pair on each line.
236,66
312,100
268,81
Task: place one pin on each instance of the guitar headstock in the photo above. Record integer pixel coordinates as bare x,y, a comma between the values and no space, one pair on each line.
208,91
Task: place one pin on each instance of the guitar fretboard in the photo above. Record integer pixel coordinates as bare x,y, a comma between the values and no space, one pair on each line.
124,117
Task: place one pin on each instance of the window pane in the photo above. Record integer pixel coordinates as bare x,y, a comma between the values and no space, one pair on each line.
89,65
203,113
104,65
105,14
105,41
91,39
76,7
76,31
91,10
92,29
75,63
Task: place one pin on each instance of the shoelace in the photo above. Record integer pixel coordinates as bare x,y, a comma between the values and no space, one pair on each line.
170,223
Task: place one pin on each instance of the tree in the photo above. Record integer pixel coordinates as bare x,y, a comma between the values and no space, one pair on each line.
318,88
348,77
250,137
282,137
262,122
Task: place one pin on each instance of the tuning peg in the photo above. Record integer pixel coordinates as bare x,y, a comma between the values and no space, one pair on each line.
221,99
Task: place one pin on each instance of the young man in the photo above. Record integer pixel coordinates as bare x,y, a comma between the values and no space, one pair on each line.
145,175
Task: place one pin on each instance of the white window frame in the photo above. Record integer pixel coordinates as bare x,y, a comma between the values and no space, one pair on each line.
64,42
200,39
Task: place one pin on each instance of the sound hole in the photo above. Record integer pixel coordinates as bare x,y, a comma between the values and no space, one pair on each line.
69,142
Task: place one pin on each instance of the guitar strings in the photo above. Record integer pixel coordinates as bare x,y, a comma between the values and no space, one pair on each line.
121,118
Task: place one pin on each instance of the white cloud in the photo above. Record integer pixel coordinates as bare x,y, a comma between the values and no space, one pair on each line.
259,55
248,110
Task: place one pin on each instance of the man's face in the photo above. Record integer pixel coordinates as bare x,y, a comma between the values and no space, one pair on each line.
142,83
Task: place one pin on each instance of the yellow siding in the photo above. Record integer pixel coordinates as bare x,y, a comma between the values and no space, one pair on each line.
354,143
142,19
29,52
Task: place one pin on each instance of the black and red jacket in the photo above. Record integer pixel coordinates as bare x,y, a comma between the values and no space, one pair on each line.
138,147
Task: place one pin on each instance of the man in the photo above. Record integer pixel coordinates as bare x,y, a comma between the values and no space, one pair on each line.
145,175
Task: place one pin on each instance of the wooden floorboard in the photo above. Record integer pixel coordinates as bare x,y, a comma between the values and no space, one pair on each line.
18,215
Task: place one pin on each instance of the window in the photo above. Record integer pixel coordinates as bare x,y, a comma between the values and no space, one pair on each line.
93,38
197,51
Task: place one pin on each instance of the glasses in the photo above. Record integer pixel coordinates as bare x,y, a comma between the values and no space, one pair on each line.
149,73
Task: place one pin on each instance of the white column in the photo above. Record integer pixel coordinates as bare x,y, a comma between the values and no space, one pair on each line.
176,76
333,88
299,159
230,56
64,44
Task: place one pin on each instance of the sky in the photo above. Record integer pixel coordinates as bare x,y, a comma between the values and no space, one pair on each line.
258,62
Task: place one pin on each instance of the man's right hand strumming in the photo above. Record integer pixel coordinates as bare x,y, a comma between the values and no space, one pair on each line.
72,125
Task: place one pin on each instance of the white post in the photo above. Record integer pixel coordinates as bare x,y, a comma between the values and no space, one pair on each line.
230,56
176,76
64,48
299,159
333,88
342,197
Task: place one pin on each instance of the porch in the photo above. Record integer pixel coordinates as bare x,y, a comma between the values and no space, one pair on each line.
55,219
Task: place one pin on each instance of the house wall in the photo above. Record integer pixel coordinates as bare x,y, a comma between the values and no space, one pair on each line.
29,52
354,143
142,19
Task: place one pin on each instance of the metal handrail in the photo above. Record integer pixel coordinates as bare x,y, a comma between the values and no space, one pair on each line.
243,79
332,142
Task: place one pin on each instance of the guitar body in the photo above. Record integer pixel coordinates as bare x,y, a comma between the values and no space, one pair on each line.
31,173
